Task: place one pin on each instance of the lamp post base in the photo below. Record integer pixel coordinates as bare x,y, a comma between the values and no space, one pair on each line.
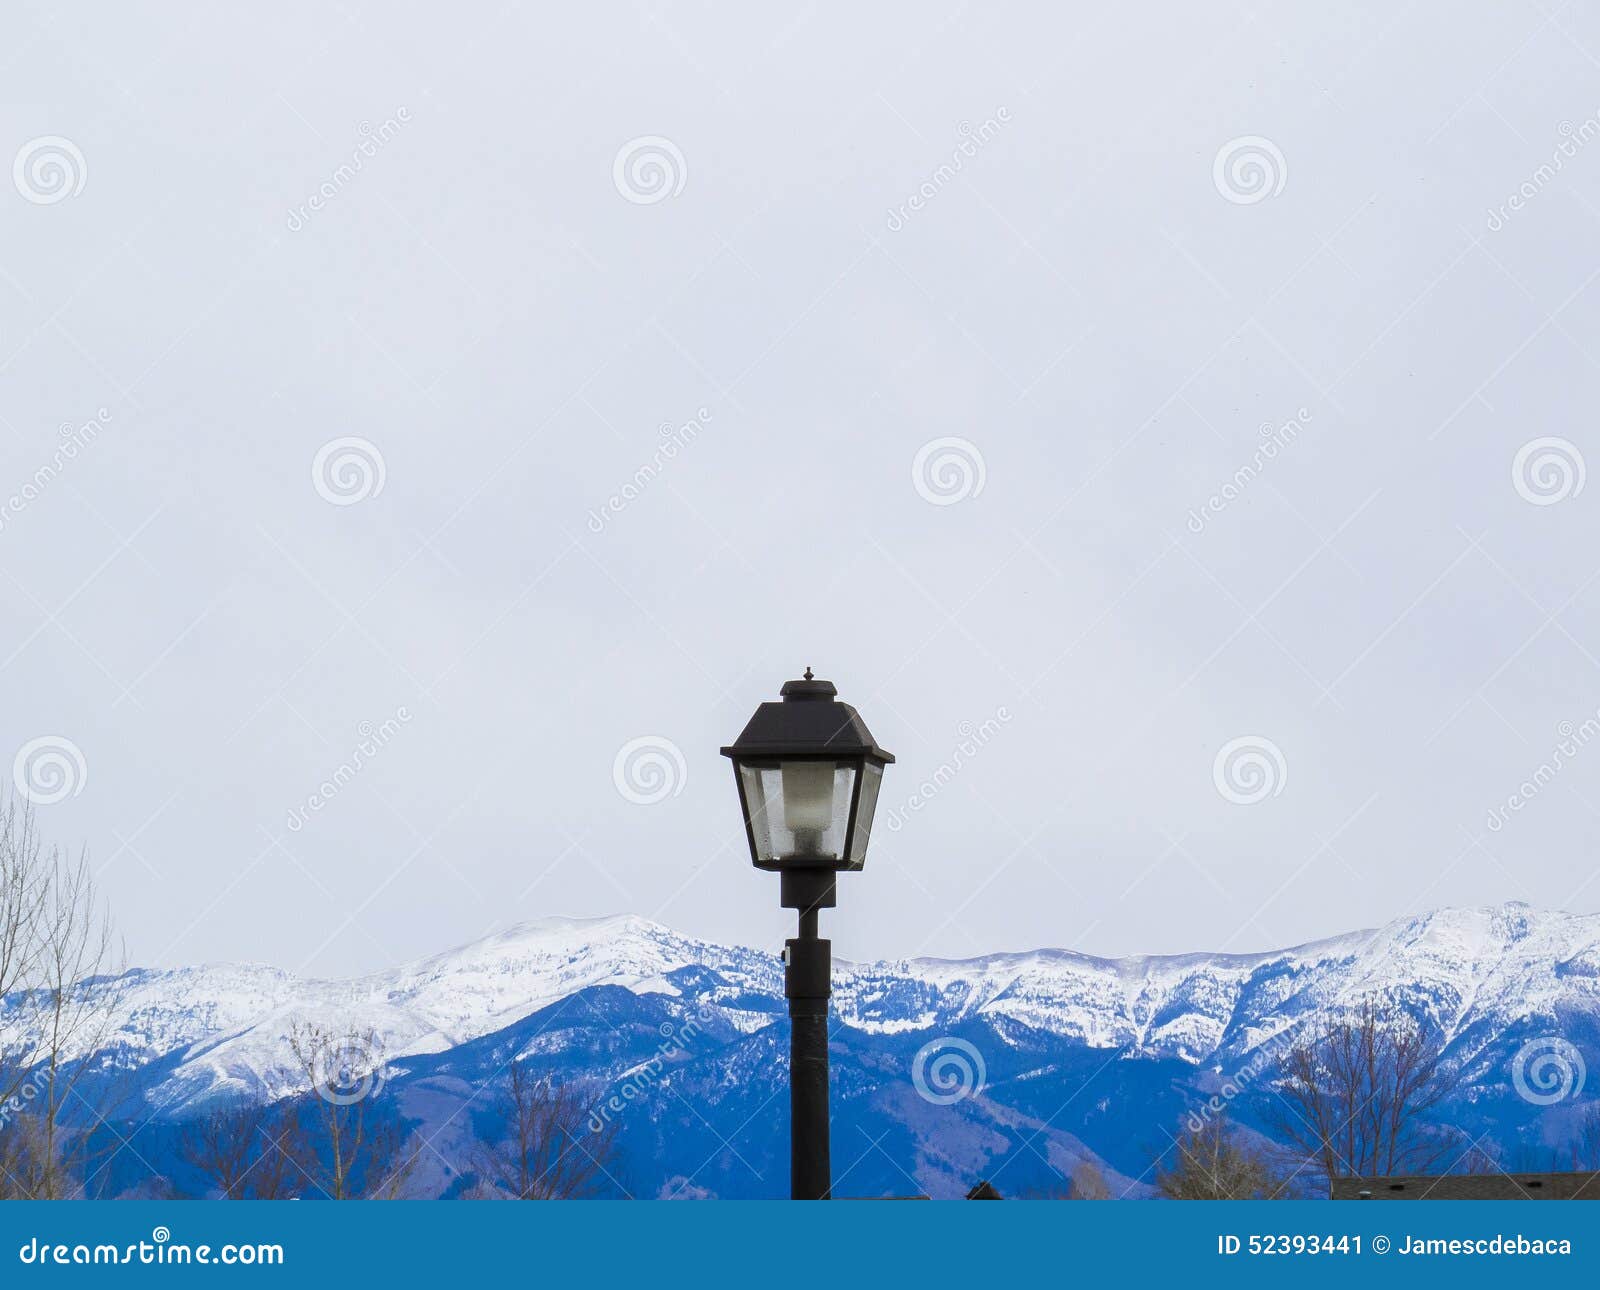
806,982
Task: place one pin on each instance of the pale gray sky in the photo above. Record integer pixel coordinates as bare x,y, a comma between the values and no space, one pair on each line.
1137,237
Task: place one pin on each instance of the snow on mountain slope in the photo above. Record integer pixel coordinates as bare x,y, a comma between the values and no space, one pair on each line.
1453,966
1473,972
490,983
219,1009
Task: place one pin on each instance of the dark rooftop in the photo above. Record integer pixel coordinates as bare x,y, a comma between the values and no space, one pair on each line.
1495,1186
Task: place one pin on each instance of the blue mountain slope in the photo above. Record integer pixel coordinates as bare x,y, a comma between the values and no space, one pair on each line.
680,1047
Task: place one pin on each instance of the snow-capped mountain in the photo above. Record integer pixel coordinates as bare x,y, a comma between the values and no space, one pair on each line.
1082,1057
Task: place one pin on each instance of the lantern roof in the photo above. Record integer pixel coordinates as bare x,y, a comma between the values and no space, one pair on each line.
808,721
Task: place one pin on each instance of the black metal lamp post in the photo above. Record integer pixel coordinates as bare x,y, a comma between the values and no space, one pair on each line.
808,772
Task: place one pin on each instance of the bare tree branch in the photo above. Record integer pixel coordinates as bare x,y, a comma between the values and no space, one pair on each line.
553,1148
1357,1092
56,1010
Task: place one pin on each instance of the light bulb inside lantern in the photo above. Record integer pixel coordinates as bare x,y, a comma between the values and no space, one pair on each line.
808,799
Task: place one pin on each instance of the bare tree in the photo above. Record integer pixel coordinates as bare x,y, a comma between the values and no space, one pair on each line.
1582,1150
1357,1091
247,1152
1088,1183
56,949
1211,1160
554,1149
352,1148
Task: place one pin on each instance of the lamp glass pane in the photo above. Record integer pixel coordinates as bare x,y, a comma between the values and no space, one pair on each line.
799,809
861,834
755,801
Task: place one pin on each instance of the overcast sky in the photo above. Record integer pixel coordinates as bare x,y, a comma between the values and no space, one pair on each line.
539,384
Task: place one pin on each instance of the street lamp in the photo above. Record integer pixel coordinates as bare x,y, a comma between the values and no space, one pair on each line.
808,773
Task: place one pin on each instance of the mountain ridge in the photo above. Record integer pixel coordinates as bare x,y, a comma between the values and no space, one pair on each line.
1123,1045
563,922
516,970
